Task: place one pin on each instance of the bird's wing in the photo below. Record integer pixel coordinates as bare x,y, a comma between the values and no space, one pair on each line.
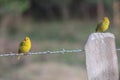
21,44
99,25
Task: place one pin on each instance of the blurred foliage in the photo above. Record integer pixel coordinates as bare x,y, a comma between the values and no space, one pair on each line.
39,8
13,5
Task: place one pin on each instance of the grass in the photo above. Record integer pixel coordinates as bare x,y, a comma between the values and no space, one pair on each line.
72,31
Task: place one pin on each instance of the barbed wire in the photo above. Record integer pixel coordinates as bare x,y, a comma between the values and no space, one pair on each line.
44,52
47,52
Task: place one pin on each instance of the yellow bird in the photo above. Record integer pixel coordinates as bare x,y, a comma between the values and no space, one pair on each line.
24,47
103,25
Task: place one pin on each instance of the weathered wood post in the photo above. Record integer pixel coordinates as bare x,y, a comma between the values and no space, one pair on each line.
101,57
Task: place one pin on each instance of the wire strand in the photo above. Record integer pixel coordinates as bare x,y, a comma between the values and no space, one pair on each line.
47,52
117,49
44,52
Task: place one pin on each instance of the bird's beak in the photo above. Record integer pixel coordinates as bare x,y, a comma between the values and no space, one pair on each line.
24,39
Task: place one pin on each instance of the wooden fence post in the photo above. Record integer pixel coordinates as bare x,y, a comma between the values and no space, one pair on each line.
101,57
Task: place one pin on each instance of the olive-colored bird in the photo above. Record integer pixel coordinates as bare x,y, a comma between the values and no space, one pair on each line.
24,47
103,25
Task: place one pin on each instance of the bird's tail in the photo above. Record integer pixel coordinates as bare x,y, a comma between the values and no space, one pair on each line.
19,57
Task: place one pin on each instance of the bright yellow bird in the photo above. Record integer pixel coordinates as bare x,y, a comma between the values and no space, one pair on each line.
24,47
103,25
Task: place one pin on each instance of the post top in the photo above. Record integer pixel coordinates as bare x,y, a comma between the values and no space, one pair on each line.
94,36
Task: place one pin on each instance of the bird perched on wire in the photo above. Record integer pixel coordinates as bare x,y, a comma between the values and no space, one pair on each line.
103,25
24,47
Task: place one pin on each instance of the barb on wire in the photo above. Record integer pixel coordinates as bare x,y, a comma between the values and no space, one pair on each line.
45,52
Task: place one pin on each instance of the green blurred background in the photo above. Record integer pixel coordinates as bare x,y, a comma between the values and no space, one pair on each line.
51,25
